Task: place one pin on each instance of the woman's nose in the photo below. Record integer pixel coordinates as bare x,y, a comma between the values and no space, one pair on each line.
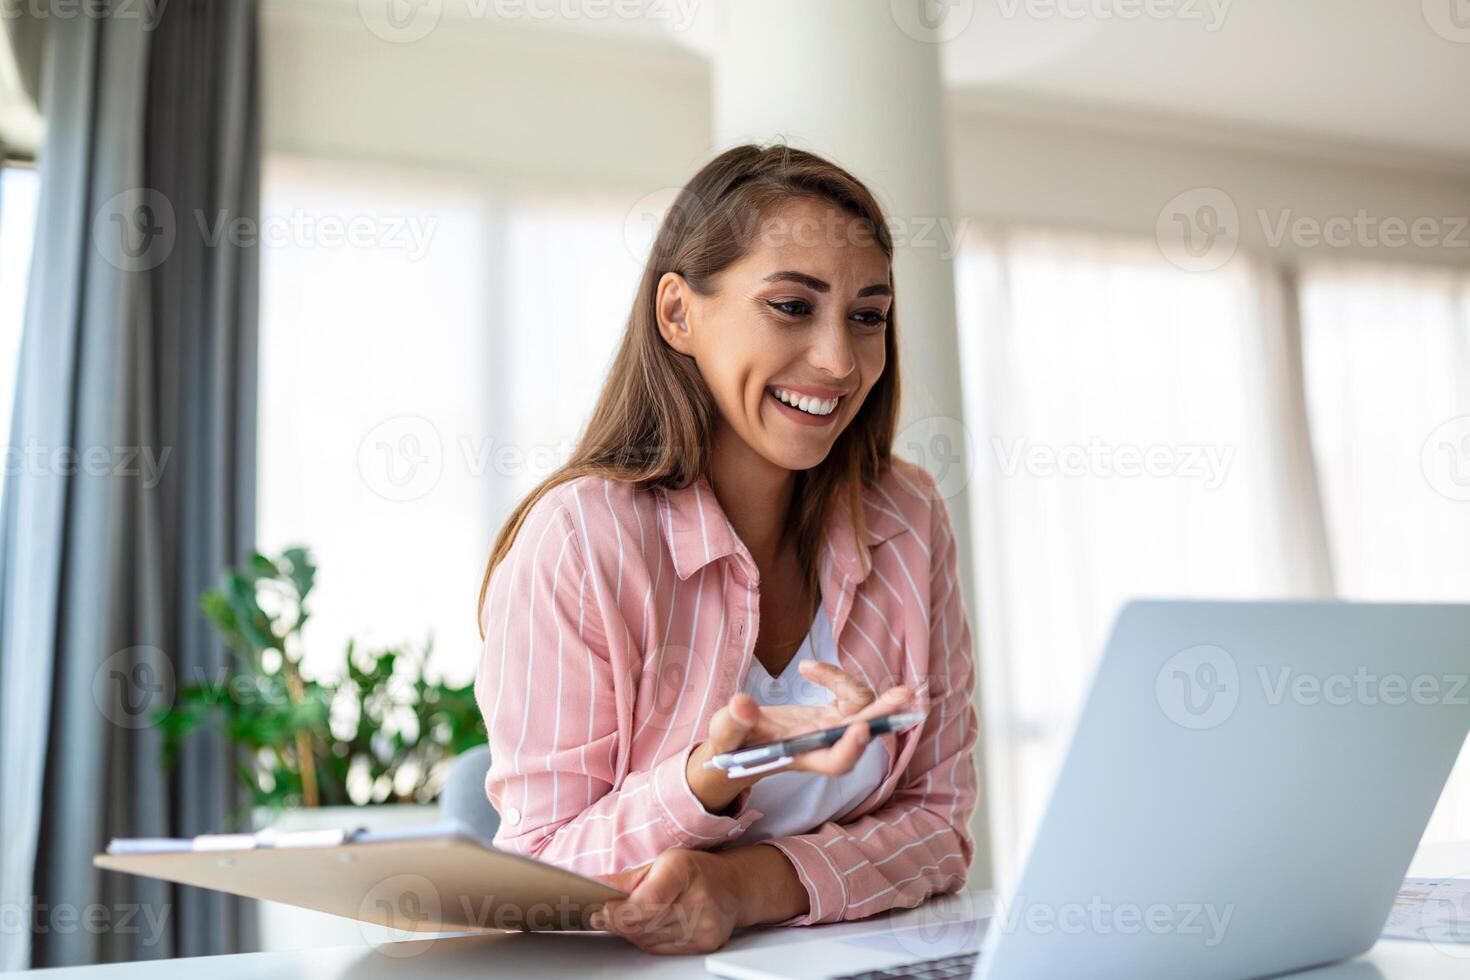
832,349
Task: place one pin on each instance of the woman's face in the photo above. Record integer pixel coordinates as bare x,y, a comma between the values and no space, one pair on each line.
791,339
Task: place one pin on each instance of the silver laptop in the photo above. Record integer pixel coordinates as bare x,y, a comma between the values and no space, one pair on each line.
1243,792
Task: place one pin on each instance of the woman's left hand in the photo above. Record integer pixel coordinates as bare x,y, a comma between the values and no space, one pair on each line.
690,901
684,902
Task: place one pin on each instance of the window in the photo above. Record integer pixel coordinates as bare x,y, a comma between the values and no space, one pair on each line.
1388,387
19,196
429,350
1079,348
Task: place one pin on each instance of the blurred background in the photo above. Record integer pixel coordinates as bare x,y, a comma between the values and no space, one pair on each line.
1185,310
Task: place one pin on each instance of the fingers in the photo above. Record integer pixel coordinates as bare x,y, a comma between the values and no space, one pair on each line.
887,703
851,694
730,725
841,756
626,881
650,917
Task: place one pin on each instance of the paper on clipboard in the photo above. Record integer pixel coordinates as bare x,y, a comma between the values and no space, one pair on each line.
443,878
1433,910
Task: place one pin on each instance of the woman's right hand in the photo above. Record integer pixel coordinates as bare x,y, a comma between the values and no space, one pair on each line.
745,722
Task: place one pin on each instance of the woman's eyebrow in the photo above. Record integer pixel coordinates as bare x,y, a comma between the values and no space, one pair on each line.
822,286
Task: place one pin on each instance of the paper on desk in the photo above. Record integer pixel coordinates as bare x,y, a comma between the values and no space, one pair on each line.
1434,910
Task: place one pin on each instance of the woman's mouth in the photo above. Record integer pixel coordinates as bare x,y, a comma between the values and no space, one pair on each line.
803,408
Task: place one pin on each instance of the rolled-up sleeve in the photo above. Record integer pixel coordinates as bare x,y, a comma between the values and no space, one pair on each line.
546,686
918,843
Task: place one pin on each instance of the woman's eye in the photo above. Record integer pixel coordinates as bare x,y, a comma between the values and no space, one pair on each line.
790,307
871,318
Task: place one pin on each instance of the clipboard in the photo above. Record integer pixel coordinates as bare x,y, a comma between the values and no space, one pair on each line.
440,878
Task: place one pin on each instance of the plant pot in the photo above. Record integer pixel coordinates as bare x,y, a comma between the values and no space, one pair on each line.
286,927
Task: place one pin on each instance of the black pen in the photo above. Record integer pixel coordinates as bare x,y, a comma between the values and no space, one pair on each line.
756,759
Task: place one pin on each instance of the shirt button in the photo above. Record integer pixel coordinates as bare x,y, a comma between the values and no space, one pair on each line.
740,628
513,816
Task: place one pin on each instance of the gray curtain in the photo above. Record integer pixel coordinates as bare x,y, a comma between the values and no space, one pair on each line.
134,424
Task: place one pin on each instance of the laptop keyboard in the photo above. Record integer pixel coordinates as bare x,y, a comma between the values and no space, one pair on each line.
943,968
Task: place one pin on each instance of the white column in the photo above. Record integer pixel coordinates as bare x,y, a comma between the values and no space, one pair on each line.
858,82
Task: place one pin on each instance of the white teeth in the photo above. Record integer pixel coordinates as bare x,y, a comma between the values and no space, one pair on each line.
806,403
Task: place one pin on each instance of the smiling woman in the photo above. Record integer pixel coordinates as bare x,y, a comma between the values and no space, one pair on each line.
733,510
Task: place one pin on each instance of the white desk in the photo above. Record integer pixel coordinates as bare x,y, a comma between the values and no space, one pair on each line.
552,955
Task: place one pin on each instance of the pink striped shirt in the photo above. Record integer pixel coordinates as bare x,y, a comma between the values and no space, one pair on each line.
622,619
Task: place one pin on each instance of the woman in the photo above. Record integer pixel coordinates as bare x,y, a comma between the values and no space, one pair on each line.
731,555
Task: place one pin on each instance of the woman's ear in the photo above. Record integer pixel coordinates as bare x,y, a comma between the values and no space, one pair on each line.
671,307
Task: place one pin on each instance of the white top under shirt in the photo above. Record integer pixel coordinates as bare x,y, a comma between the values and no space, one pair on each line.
798,802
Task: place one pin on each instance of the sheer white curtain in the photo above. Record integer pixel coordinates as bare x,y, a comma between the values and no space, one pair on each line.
1388,384
430,347
1134,437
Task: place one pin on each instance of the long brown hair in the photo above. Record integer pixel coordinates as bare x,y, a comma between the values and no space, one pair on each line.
655,419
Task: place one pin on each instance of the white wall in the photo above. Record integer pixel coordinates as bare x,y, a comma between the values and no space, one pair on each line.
1032,163
533,104
508,103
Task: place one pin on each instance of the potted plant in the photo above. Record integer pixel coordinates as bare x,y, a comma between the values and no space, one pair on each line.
314,751
367,747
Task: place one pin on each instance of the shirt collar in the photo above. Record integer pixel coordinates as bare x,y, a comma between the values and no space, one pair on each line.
698,532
